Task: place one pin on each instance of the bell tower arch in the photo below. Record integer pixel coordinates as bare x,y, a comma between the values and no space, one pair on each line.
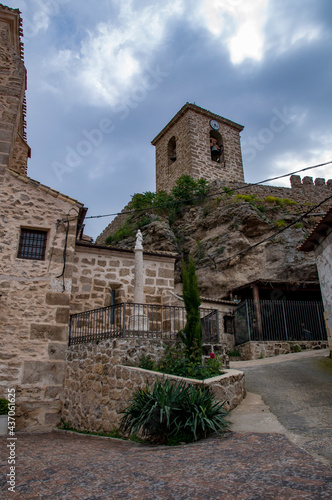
198,143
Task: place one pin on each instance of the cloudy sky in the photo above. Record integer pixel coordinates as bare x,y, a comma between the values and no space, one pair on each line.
105,76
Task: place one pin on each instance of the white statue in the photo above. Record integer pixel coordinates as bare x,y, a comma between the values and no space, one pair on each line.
139,240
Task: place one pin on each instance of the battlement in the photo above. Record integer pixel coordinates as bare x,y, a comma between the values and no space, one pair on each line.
302,191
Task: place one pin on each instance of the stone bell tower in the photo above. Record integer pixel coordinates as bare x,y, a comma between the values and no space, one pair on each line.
198,143
14,150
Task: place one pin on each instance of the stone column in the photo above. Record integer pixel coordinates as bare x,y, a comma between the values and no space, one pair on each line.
139,270
139,320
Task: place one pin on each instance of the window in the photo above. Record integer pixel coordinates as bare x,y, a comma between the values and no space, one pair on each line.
216,146
171,150
229,324
32,244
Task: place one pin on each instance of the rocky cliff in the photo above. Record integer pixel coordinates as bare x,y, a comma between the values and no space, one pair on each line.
216,229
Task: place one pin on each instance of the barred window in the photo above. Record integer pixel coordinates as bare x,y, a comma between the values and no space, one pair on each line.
32,244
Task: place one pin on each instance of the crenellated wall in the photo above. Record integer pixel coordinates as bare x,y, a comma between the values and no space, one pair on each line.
304,191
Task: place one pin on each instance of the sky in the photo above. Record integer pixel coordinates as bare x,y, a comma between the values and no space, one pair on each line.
105,76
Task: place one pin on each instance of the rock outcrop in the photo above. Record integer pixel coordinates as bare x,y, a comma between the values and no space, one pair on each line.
216,230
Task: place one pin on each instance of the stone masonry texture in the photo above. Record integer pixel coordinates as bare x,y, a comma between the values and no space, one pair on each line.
98,386
14,150
35,301
191,130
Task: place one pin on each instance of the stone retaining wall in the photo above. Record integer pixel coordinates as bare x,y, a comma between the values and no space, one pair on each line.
98,386
256,350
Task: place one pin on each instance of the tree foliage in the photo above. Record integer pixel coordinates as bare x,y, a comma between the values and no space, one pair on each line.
191,335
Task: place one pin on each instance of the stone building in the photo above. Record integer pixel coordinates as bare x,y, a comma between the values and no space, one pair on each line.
198,143
48,269
320,241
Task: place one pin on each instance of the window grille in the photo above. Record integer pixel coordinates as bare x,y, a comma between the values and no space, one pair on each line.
32,244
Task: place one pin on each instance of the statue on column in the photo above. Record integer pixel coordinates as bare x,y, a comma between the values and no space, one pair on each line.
139,240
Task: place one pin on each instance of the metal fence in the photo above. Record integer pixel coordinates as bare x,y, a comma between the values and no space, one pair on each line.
280,321
138,320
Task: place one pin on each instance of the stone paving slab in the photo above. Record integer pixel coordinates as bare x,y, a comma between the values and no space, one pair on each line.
239,466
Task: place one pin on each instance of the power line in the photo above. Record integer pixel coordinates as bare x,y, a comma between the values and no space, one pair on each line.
173,203
276,233
285,175
208,196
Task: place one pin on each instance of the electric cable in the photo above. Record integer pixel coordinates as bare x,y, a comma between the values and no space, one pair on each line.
276,233
173,203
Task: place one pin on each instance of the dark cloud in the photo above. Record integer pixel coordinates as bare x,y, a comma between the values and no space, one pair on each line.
282,99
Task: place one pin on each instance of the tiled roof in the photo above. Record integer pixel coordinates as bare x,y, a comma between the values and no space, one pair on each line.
318,233
170,255
198,109
46,189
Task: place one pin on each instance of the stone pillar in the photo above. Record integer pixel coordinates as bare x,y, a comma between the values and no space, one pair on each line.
139,270
258,315
139,321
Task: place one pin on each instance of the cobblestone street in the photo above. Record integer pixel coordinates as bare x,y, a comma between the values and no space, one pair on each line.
240,466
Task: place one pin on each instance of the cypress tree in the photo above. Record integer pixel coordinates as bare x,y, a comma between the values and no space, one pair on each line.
191,335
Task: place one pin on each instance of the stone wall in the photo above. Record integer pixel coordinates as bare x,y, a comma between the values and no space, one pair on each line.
257,350
99,270
191,130
303,191
13,149
34,301
323,255
98,386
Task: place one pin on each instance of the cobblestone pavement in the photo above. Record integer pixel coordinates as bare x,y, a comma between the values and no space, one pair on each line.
240,466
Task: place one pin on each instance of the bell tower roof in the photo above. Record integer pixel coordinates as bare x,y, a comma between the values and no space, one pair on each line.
197,109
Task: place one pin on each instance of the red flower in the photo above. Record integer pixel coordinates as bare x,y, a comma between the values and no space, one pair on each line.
212,355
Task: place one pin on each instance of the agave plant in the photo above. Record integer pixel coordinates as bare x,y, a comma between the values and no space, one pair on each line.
171,409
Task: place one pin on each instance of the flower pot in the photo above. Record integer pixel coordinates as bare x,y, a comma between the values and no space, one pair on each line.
3,425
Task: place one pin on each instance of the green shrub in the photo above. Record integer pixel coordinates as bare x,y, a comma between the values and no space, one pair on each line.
187,188
281,223
295,348
139,201
173,409
261,208
220,250
287,201
199,250
175,362
234,353
143,221
270,199
274,199
4,406
245,197
125,231
147,363
298,225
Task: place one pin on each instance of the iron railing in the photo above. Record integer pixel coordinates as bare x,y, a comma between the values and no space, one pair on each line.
138,320
280,320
